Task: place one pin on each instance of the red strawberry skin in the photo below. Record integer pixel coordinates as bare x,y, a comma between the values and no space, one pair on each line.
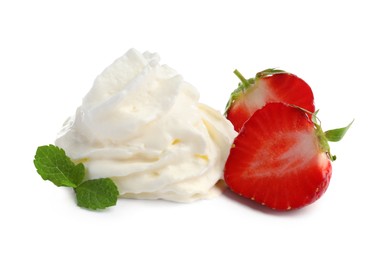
277,159
267,87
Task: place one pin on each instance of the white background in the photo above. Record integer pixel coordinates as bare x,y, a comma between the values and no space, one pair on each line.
51,51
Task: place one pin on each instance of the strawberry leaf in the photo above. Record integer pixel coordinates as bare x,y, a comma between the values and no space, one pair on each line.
336,135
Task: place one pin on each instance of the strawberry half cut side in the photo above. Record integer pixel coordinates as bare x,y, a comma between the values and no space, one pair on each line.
281,158
270,85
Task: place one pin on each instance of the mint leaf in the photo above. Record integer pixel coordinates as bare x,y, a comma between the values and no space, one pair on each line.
97,194
52,164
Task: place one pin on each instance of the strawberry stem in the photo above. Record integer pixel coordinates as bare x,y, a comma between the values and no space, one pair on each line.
244,81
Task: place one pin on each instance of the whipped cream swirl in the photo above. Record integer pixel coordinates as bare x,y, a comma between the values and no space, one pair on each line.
142,126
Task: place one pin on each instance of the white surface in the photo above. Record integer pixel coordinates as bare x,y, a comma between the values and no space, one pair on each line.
51,52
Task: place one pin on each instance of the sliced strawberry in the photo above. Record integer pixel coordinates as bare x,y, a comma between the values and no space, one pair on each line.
281,158
270,85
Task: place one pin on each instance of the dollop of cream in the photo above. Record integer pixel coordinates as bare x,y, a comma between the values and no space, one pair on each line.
142,126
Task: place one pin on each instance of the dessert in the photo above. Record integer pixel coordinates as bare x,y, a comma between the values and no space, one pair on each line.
142,126
141,133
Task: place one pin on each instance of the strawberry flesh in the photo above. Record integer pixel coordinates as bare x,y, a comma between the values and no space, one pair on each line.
277,159
268,86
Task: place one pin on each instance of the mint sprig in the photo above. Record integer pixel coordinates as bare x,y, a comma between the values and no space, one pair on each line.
52,163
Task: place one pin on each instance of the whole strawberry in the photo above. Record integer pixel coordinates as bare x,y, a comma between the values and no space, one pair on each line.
281,157
270,85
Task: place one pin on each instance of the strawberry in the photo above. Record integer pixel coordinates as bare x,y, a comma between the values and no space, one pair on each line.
281,157
270,85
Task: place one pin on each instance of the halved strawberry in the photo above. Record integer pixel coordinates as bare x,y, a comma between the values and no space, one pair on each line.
270,85
281,157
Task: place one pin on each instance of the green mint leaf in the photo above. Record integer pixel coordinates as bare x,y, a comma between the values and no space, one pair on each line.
336,135
52,164
97,194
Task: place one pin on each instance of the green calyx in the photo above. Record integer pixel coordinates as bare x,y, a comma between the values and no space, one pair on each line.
333,135
269,72
245,84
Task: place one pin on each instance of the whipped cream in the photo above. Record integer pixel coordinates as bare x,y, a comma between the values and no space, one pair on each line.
142,126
